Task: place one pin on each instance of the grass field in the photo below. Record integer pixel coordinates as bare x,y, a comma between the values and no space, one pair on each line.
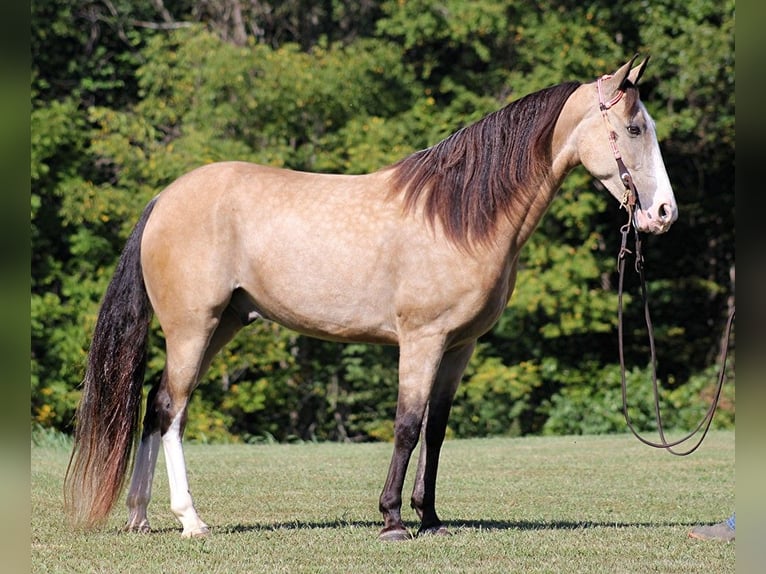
530,505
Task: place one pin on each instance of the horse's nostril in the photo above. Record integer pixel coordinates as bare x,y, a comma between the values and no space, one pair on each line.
665,212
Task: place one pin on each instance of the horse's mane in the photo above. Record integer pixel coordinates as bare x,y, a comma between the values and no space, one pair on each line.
470,177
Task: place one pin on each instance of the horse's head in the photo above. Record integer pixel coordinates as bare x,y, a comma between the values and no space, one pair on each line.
618,145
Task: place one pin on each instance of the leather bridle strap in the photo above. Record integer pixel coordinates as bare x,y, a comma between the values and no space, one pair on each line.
630,198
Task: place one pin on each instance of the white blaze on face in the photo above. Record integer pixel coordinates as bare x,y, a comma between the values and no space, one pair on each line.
658,204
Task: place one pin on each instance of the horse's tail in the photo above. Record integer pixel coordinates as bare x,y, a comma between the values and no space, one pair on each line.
108,414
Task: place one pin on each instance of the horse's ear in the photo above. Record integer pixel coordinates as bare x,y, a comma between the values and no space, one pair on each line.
616,82
636,73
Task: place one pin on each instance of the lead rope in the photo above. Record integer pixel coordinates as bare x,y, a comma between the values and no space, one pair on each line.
708,418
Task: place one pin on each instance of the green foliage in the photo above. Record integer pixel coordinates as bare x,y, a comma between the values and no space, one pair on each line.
696,41
47,437
560,290
126,97
87,49
462,35
280,103
497,399
597,408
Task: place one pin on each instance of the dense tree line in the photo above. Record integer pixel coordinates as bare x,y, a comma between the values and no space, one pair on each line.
128,95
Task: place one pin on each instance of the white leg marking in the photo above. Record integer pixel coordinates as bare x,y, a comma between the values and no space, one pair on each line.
140,492
180,498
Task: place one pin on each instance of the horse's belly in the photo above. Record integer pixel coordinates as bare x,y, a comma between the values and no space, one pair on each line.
311,307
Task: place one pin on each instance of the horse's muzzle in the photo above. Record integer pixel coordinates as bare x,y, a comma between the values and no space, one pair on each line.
658,220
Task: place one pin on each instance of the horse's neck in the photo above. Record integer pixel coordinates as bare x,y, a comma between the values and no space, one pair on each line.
564,158
564,155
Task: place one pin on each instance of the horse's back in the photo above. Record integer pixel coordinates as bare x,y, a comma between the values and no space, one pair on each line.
250,199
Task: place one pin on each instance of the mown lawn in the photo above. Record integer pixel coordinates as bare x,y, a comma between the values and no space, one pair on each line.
562,504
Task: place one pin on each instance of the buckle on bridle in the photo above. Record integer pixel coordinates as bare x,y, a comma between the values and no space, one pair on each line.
627,196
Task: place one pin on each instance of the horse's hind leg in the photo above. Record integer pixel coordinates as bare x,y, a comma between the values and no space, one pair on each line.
140,491
164,423
434,428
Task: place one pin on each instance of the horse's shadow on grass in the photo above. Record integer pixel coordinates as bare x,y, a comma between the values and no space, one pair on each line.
454,526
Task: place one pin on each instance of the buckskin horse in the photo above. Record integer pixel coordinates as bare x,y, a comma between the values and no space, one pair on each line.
421,254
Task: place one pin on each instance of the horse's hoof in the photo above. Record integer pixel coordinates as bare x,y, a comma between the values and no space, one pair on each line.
140,528
200,532
394,535
440,530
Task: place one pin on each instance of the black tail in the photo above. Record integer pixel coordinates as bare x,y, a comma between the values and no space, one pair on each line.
108,413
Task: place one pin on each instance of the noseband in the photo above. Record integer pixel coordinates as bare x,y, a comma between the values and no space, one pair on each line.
629,202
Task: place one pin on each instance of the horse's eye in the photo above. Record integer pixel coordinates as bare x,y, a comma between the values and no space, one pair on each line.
634,130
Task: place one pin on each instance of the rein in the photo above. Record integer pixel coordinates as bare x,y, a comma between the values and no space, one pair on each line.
629,201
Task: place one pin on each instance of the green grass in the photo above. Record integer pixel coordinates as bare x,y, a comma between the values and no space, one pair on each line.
532,505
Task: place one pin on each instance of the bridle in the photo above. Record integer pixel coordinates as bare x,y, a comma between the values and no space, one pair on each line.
629,202
630,197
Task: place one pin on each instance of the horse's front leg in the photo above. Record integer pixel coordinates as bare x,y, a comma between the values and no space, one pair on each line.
433,431
418,363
